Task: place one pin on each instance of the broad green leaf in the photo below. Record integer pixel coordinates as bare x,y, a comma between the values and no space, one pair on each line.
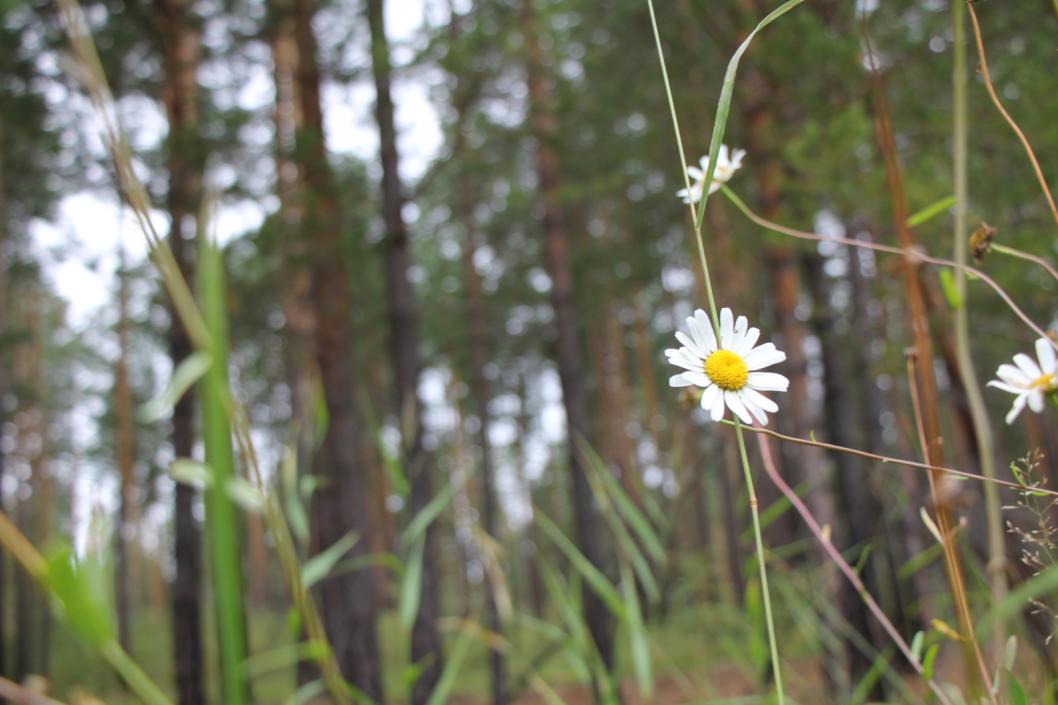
929,660
1017,693
319,566
189,371
80,589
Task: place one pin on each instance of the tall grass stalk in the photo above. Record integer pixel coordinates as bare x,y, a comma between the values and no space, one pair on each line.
222,522
723,109
978,413
90,74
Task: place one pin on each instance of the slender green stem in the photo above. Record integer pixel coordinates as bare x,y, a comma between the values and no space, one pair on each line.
978,412
759,540
1019,254
137,681
697,217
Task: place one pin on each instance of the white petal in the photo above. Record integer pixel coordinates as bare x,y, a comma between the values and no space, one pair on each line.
1019,404
1045,354
1012,375
704,163
726,328
716,412
736,158
709,397
763,356
680,381
1036,400
739,334
695,173
683,359
723,158
752,408
1006,387
690,344
698,378
751,394
736,405
699,336
706,326
1027,365
748,341
768,382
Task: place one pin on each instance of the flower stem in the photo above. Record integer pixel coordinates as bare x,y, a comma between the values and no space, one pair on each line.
697,217
759,540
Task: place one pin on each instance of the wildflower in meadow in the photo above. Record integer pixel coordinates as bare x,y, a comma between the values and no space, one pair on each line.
726,166
728,371
1028,379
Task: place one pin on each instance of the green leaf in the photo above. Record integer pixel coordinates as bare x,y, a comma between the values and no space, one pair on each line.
189,371
82,593
453,665
723,108
320,566
592,575
1016,692
929,660
245,494
916,646
930,212
191,472
411,586
432,510
951,293
389,462
637,634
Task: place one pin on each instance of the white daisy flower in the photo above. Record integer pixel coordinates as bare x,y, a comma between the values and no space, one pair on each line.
1028,380
729,373
726,166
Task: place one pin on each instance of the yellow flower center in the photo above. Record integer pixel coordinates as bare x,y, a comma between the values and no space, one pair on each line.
1047,383
726,370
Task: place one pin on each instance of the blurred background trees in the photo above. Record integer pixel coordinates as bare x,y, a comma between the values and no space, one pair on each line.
455,257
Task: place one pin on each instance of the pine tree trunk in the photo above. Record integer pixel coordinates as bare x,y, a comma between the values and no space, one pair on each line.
348,602
860,509
125,455
4,592
543,124
477,326
181,49
404,345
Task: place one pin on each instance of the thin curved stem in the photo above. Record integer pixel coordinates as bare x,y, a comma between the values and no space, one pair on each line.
917,254
846,569
887,460
1021,254
1006,116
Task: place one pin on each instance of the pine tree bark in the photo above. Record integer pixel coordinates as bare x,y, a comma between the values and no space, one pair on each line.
181,47
348,602
3,411
476,317
860,508
544,126
125,455
404,343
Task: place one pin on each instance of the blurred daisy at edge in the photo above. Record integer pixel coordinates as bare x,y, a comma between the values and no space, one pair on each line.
1028,379
728,163
728,372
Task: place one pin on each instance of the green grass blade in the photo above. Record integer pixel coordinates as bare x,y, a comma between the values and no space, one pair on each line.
426,516
723,108
453,666
411,585
222,521
190,370
639,646
592,575
320,566
930,212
